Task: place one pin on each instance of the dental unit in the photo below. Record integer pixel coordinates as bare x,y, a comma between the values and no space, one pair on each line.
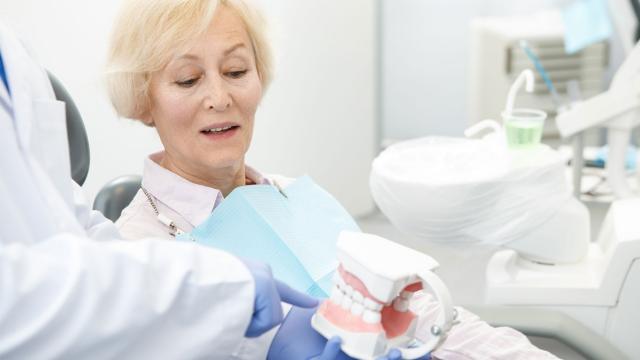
548,263
369,307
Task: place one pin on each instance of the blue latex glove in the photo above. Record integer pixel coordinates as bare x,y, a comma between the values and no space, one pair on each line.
296,339
267,310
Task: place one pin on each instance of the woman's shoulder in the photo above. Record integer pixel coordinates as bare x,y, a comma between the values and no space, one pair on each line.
138,221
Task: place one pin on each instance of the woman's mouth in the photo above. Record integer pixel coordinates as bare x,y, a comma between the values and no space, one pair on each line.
223,132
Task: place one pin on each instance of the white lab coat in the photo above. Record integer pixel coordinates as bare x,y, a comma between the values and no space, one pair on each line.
65,295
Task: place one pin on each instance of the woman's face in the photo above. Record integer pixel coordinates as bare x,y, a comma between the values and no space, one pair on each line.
203,103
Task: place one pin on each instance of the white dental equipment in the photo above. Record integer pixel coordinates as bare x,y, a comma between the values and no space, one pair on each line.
617,109
595,284
478,191
602,291
496,58
460,191
526,77
563,237
520,127
369,304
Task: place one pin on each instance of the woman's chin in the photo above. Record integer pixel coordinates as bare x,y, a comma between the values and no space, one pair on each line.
225,162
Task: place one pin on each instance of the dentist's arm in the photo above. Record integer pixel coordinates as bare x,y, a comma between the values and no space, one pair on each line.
95,224
69,297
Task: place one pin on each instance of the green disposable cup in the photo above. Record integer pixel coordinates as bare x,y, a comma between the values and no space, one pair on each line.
523,127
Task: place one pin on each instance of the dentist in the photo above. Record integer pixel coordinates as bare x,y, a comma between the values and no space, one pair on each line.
69,288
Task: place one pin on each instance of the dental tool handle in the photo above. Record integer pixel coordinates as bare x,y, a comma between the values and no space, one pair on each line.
577,163
615,166
432,283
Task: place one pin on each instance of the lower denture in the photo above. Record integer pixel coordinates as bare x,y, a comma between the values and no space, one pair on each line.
346,320
396,323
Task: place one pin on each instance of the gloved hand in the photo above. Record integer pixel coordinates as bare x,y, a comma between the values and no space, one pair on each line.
296,339
267,310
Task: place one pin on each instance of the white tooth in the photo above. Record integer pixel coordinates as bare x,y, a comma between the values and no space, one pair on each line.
357,309
219,129
357,297
340,281
372,305
371,317
346,302
348,290
406,295
336,295
401,305
336,277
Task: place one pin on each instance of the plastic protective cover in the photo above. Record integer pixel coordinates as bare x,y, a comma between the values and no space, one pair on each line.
466,190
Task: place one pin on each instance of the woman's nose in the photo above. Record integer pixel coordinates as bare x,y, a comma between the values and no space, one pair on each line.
218,97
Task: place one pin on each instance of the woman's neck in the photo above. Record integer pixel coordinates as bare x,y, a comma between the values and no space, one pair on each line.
223,179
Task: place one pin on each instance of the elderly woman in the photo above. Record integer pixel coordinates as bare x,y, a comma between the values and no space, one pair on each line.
197,75
196,70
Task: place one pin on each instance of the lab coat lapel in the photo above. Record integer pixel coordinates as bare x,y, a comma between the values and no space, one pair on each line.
6,103
5,99
39,118
17,67
21,205
39,135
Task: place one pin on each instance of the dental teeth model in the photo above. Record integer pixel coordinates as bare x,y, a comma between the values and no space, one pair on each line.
369,303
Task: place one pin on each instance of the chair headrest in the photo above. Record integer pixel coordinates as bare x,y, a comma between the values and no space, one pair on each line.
76,133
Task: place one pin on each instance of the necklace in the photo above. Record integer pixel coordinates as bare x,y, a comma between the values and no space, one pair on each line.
173,228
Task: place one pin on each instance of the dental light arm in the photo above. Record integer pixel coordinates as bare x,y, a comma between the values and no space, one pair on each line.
617,109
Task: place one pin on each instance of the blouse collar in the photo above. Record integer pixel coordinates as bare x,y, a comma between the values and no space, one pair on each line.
192,201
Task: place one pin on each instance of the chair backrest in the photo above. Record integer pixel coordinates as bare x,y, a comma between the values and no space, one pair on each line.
116,195
76,133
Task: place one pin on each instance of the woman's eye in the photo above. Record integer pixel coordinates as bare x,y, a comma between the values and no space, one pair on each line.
236,74
187,83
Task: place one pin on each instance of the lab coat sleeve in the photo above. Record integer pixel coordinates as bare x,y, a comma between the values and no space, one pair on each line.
95,224
70,297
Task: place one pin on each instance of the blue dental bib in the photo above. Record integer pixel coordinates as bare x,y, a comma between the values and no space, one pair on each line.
295,232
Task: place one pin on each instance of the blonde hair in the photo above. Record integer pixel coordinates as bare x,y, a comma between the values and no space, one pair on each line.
147,35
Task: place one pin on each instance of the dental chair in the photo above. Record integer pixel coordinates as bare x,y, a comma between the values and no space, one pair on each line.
76,133
118,193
